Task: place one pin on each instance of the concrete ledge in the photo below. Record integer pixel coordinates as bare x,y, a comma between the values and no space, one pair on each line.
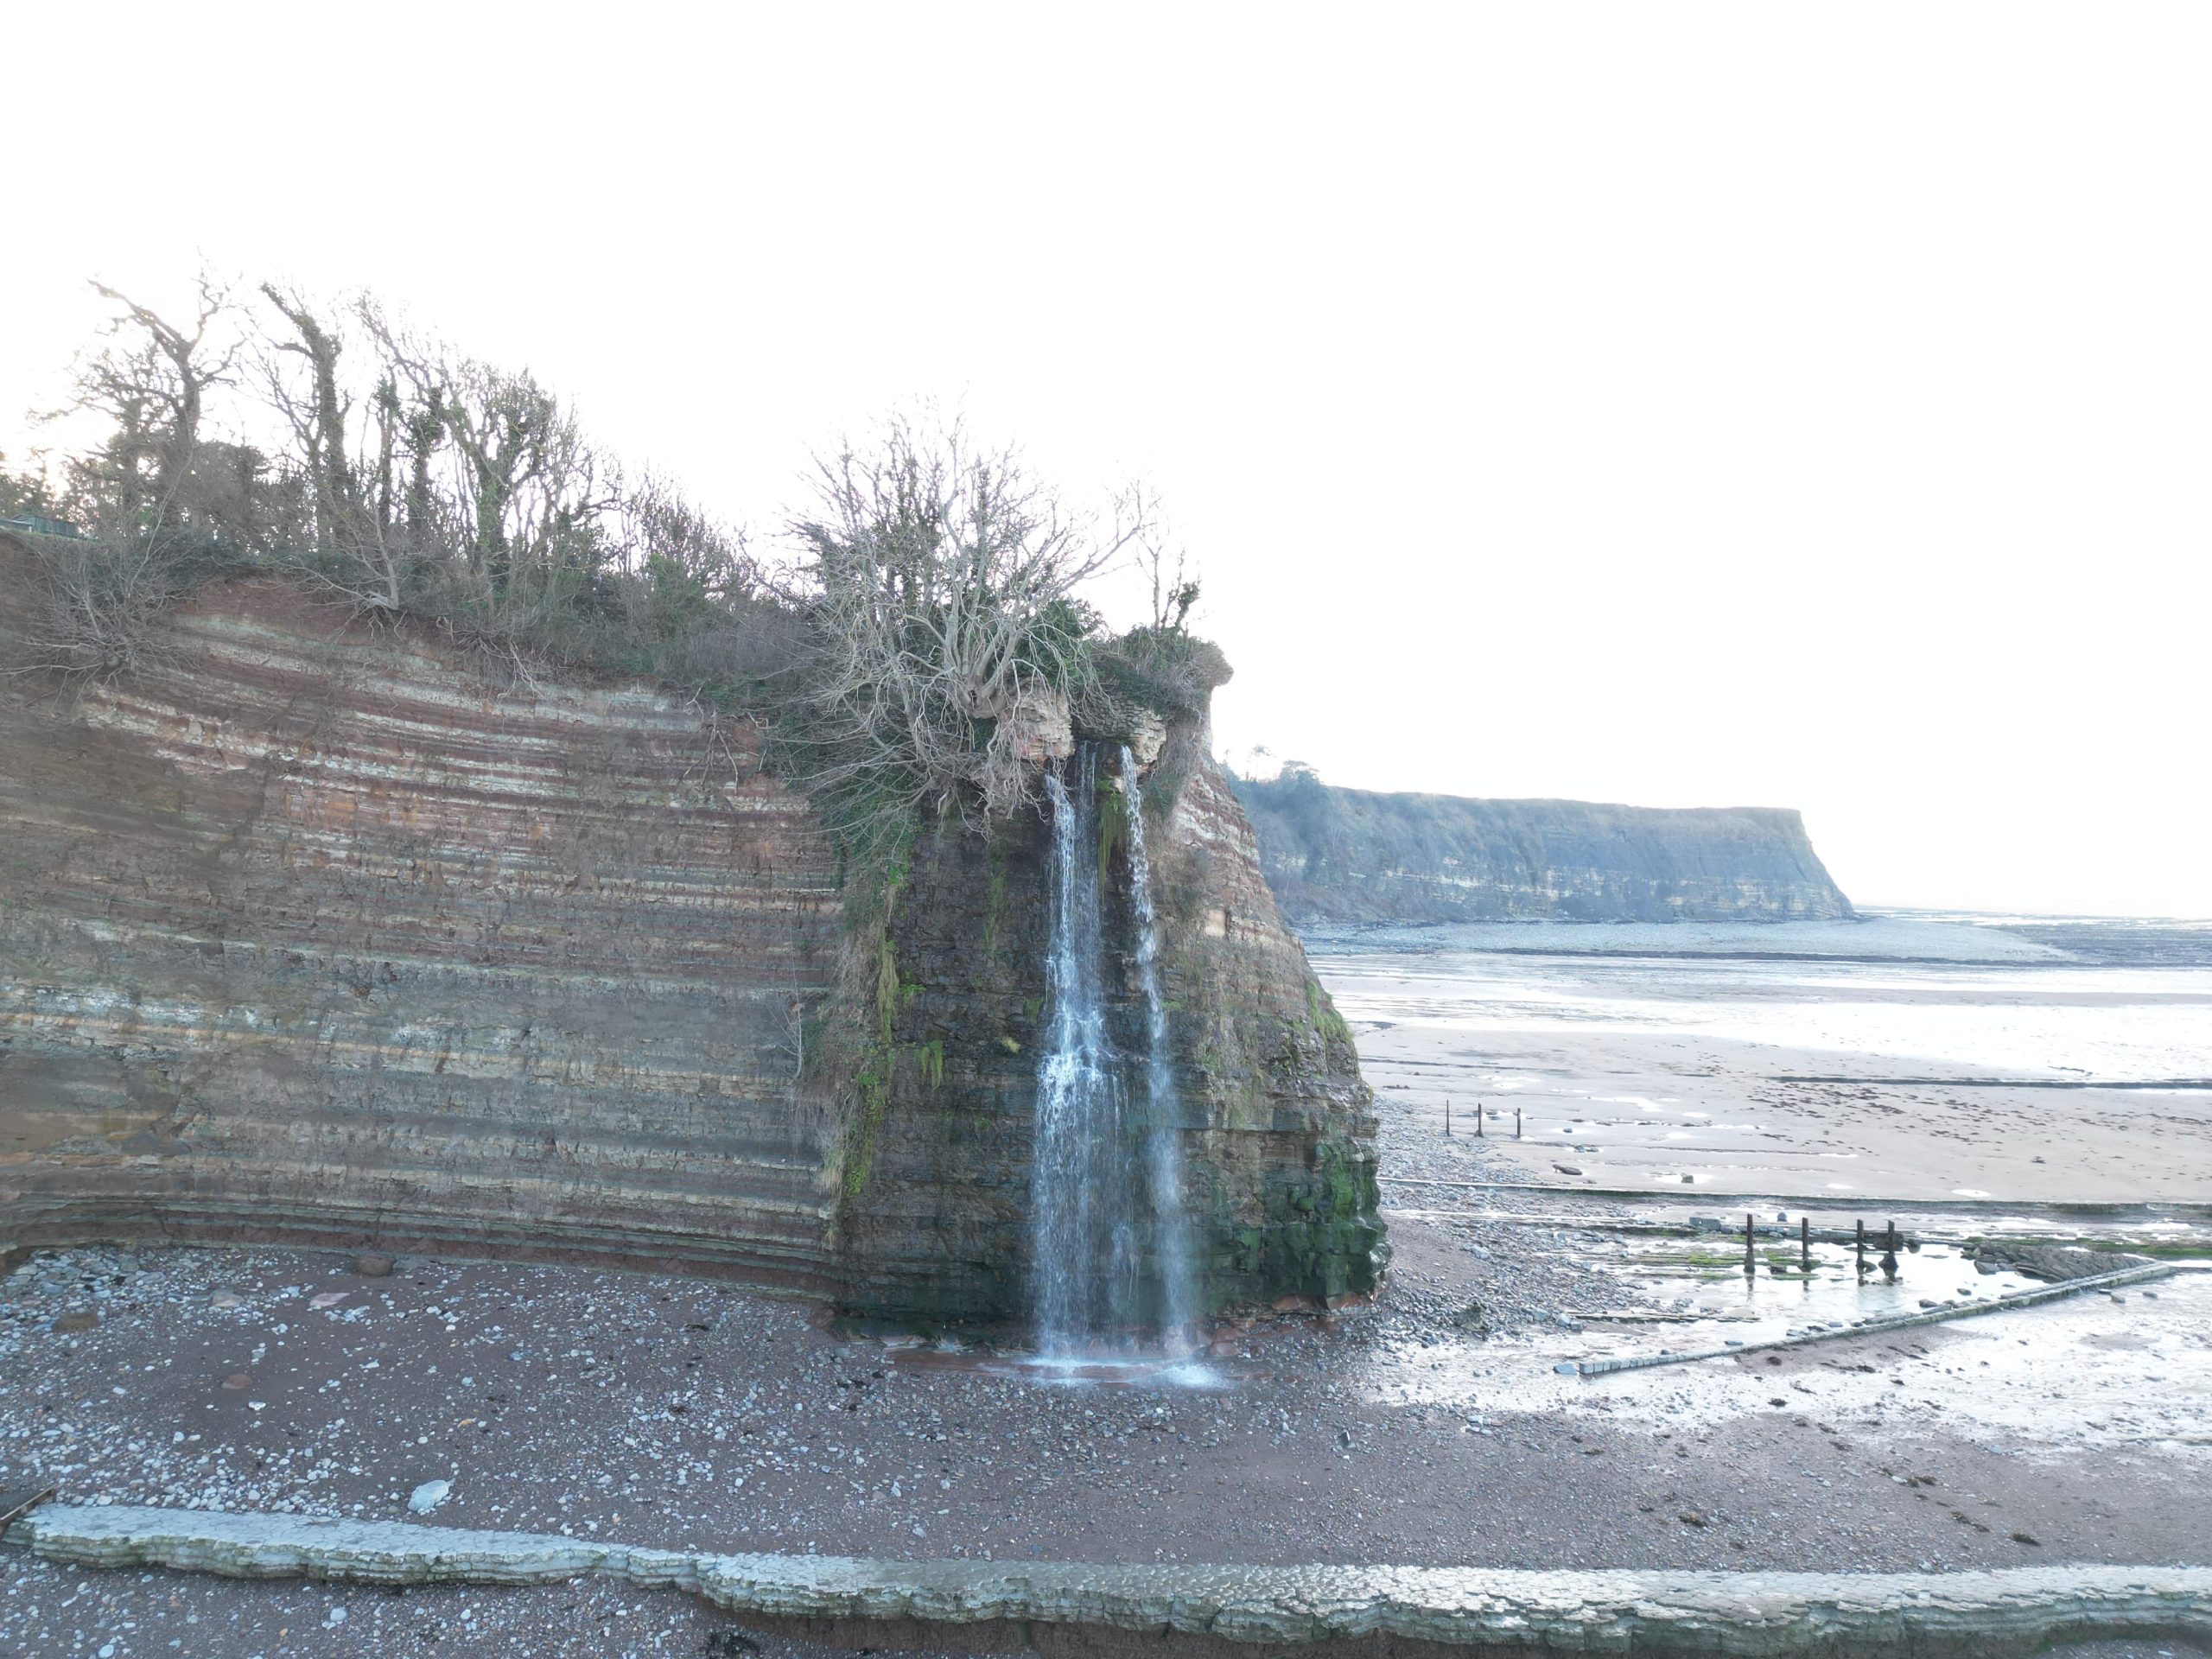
1392,1607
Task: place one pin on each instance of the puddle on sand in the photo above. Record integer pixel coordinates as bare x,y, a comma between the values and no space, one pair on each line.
1702,1281
2130,1368
1110,1371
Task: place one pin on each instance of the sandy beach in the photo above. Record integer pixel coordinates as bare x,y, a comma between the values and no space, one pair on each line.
2029,1076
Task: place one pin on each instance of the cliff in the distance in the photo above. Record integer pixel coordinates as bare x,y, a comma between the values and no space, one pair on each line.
1349,855
311,933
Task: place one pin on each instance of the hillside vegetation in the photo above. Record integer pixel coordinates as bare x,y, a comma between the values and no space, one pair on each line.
914,645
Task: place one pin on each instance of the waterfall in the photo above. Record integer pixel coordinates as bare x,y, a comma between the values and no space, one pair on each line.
1111,1242
1163,1142
1079,1239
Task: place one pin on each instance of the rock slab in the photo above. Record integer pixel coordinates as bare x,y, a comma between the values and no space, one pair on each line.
1670,1612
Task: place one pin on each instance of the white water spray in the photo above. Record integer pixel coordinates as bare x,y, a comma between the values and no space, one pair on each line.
1112,1243
1163,1140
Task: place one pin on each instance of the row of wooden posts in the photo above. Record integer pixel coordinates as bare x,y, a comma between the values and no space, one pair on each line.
1888,1242
1478,1120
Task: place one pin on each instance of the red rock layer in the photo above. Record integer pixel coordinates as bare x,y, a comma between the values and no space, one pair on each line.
312,934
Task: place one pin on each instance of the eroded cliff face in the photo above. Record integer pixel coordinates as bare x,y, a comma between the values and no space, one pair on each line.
312,934
1351,856
1278,1134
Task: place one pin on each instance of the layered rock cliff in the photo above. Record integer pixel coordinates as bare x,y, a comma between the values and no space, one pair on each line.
312,933
1349,855
1277,1133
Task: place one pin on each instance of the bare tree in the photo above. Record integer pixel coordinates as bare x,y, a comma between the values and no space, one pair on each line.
155,389
531,483
154,490
945,630
412,396
315,415
1166,567
94,609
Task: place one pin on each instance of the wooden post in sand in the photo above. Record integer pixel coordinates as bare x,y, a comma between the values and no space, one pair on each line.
1478,1120
1805,1243
1516,1122
1750,1265
1448,1117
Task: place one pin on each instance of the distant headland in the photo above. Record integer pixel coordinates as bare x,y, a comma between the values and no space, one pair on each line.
1351,856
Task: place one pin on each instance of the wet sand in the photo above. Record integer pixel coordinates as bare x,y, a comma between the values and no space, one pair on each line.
1843,1082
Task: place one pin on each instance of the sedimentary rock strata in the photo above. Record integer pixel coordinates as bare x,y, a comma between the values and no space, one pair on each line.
321,933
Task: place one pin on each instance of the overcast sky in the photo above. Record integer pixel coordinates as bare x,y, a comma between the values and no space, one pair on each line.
1675,404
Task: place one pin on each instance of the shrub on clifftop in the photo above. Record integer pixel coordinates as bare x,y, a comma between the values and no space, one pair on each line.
925,649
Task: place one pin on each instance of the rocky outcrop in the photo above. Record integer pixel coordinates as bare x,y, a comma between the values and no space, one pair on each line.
1348,855
315,933
1277,1130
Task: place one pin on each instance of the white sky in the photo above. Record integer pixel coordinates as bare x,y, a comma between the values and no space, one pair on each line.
1684,404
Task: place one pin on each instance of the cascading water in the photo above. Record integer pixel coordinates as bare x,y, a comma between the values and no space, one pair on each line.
1111,1248
1163,1146
1076,1223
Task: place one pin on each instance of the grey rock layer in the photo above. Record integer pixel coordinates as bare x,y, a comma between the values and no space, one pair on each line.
1675,1612
1351,856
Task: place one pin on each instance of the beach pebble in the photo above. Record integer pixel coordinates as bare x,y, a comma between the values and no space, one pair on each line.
429,1495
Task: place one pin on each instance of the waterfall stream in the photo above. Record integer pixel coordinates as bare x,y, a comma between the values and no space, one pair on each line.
1112,1260
1179,1310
